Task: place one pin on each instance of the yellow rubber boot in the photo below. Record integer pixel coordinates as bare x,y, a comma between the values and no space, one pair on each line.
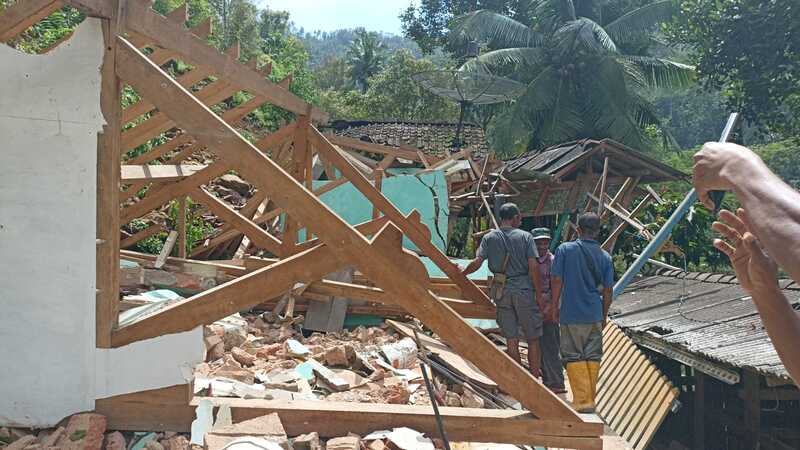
594,373
579,382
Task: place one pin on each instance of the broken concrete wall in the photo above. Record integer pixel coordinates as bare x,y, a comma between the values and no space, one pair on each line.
49,119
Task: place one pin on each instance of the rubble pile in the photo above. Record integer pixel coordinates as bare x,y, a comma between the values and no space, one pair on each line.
267,356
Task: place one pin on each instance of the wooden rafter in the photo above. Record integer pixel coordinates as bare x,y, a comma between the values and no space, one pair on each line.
22,15
382,259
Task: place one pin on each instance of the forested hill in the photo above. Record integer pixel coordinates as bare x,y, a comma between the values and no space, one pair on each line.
324,45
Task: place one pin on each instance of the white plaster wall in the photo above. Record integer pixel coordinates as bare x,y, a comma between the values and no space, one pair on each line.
49,119
49,367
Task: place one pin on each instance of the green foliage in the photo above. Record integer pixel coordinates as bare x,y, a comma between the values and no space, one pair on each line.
580,84
48,32
365,57
196,229
392,95
749,50
427,23
695,237
783,158
323,46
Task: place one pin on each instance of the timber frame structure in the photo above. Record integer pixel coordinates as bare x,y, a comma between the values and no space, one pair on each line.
280,166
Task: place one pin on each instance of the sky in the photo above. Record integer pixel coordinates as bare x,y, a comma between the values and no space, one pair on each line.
329,15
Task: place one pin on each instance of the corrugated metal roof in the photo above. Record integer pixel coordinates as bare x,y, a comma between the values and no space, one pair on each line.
707,315
624,160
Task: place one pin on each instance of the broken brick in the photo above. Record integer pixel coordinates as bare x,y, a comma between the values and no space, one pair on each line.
242,357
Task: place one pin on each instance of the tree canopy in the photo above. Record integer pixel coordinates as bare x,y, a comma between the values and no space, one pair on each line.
580,81
749,50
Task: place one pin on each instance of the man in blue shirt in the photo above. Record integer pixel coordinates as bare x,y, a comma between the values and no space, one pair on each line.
582,278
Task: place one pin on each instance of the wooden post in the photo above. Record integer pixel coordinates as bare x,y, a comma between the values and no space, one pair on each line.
182,227
300,156
752,408
108,185
378,174
603,186
699,423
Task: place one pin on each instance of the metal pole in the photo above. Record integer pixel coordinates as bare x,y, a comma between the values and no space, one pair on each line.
429,386
665,231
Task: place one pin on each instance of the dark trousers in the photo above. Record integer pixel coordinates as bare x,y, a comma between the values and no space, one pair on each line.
552,370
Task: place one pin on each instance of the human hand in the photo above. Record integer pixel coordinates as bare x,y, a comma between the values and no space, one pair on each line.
718,166
756,271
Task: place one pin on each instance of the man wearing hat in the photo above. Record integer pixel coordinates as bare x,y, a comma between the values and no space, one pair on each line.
552,370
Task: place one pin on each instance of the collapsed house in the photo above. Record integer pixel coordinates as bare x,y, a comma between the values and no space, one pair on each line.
64,322
310,222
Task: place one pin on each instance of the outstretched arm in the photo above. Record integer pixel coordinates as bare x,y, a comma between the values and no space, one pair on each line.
757,274
473,265
772,205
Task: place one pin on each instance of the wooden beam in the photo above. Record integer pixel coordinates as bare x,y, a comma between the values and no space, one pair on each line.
222,210
612,238
378,177
141,235
22,15
156,198
169,409
416,232
181,225
108,185
166,249
234,296
377,295
159,172
141,19
358,144
159,122
161,150
382,259
603,180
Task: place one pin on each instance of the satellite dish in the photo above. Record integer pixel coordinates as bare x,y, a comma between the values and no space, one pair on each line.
467,89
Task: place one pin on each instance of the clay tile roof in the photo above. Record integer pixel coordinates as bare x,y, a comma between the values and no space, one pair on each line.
433,138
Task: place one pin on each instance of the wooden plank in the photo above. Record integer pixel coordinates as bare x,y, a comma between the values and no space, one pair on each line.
624,405
161,150
603,179
752,407
654,419
166,249
159,122
22,15
416,231
627,218
141,19
188,265
358,144
646,397
698,411
182,244
157,197
167,409
612,238
377,295
222,210
234,296
382,260
158,172
378,177
108,185
130,241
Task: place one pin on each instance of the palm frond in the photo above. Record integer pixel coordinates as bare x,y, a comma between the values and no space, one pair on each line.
663,73
526,56
586,33
488,26
641,20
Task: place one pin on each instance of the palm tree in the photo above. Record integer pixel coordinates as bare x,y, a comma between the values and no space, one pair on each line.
580,81
365,57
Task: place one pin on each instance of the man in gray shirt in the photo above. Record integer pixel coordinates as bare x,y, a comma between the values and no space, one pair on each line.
516,307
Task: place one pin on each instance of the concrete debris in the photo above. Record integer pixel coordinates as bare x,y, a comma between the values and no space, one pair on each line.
242,357
401,439
308,441
234,183
116,441
267,427
344,443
